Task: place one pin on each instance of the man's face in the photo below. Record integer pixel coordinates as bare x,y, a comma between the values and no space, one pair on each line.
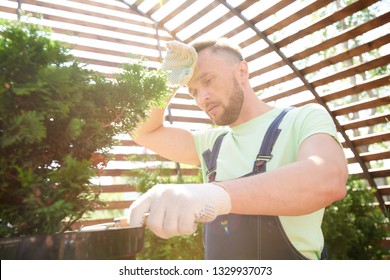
215,88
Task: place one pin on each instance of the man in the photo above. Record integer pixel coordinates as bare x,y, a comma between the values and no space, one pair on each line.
254,205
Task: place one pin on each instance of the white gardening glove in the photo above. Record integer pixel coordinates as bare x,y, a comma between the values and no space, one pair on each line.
175,209
179,62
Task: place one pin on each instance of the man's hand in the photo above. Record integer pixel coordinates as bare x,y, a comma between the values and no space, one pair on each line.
180,62
175,209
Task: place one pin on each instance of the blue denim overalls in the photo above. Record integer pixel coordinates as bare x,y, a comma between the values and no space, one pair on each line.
245,237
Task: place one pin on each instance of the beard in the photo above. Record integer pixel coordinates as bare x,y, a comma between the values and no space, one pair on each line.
233,108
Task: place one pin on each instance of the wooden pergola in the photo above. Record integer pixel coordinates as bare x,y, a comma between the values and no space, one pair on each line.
299,52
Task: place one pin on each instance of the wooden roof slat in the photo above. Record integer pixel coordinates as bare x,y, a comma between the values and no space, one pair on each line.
99,62
367,121
102,38
375,173
302,103
313,6
285,93
176,11
384,190
125,157
364,140
103,51
106,5
376,82
353,70
115,188
125,143
343,36
130,173
184,107
305,11
195,17
279,25
374,44
211,26
82,23
185,96
263,15
366,85
380,172
371,156
326,21
8,10
276,81
113,205
361,105
187,119
89,12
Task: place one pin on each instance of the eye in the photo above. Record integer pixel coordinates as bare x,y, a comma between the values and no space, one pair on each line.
208,81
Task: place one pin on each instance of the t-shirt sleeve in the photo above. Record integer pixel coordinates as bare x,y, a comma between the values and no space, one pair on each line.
315,119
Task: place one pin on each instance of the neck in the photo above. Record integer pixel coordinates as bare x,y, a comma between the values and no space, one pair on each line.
252,108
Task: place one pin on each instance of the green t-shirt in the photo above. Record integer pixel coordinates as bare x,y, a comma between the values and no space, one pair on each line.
241,146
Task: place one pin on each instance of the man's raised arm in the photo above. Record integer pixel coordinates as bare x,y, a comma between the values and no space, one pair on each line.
173,143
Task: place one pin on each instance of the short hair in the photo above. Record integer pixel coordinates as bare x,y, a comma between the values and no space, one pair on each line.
217,45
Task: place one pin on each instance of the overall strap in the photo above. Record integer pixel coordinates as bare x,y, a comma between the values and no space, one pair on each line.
210,158
269,141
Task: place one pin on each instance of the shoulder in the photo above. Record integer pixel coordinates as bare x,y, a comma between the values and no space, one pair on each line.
204,139
310,113
310,109
308,120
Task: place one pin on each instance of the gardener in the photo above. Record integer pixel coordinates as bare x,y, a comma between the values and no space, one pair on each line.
267,178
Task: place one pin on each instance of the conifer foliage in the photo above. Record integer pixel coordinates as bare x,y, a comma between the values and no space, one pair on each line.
57,119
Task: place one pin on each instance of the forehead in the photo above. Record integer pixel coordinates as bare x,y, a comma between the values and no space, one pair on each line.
209,62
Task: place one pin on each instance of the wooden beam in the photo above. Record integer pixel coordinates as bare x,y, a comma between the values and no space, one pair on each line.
91,13
368,139
343,36
367,121
369,46
371,156
373,83
326,21
313,6
131,173
115,188
361,105
187,119
353,70
384,190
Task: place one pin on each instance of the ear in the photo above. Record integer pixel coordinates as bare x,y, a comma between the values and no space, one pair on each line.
244,70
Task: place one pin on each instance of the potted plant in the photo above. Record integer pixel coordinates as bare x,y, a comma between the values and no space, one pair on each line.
57,121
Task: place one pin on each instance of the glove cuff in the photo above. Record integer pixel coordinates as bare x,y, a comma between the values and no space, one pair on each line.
224,203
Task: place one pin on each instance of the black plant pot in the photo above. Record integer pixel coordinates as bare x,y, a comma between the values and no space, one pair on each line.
106,244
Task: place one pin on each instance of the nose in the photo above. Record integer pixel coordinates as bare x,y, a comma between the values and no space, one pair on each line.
203,96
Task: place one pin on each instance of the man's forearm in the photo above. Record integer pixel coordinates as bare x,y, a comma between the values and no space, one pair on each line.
153,122
313,182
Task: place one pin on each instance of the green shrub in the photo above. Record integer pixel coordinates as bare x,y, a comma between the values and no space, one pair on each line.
57,120
354,227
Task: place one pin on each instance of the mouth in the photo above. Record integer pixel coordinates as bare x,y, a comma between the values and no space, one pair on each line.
211,109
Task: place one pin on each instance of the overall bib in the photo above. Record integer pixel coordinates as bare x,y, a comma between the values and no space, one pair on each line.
246,237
